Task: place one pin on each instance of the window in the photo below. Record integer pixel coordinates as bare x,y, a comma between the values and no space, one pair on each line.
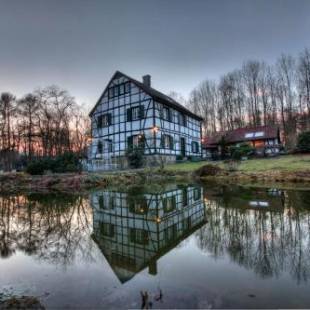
187,223
127,87
135,113
104,120
249,135
111,92
137,141
197,194
119,90
99,147
138,206
169,203
139,236
106,202
165,114
259,134
167,142
107,229
195,147
122,89
108,145
115,91
170,233
259,203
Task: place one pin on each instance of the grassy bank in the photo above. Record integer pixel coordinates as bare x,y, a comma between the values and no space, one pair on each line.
289,163
290,170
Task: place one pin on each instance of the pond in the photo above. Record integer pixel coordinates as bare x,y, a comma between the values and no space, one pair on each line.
185,246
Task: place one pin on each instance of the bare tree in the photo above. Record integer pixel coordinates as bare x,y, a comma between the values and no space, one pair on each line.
28,107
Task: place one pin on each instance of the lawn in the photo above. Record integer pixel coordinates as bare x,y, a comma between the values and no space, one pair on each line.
282,163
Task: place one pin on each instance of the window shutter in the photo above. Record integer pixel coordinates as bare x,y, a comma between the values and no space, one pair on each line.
161,112
145,237
99,147
129,141
184,120
111,230
162,141
193,151
169,115
171,142
141,112
129,115
99,121
109,119
184,194
132,235
101,202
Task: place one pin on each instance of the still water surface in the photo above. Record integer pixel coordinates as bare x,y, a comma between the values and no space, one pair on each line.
186,246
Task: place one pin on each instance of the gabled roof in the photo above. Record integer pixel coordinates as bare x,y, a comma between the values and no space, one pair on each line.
155,94
243,135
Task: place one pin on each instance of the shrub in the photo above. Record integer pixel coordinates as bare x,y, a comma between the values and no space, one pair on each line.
135,157
303,142
208,170
179,157
67,162
237,152
35,167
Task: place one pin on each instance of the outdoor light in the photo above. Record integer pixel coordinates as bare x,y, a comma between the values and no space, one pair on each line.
155,129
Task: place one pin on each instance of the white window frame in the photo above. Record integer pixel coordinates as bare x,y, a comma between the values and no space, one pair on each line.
135,113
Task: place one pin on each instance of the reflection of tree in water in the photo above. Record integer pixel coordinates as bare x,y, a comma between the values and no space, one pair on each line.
50,227
267,241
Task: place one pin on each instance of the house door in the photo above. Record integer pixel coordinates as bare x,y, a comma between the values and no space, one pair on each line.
183,146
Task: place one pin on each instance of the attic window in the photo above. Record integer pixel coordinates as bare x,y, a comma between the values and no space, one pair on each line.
119,90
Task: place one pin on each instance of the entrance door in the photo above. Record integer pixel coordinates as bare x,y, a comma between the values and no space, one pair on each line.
183,146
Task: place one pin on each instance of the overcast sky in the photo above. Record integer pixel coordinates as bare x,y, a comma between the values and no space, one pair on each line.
78,45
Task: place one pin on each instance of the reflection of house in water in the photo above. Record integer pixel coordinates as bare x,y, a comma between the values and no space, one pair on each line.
248,198
133,230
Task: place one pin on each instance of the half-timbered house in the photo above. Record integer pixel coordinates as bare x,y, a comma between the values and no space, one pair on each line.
265,139
132,113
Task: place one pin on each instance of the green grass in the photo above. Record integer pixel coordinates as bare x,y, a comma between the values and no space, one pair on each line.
283,163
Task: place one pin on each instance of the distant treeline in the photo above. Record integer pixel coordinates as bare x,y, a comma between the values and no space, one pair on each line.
45,123
257,94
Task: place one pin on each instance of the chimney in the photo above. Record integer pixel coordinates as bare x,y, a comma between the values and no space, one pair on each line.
147,80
